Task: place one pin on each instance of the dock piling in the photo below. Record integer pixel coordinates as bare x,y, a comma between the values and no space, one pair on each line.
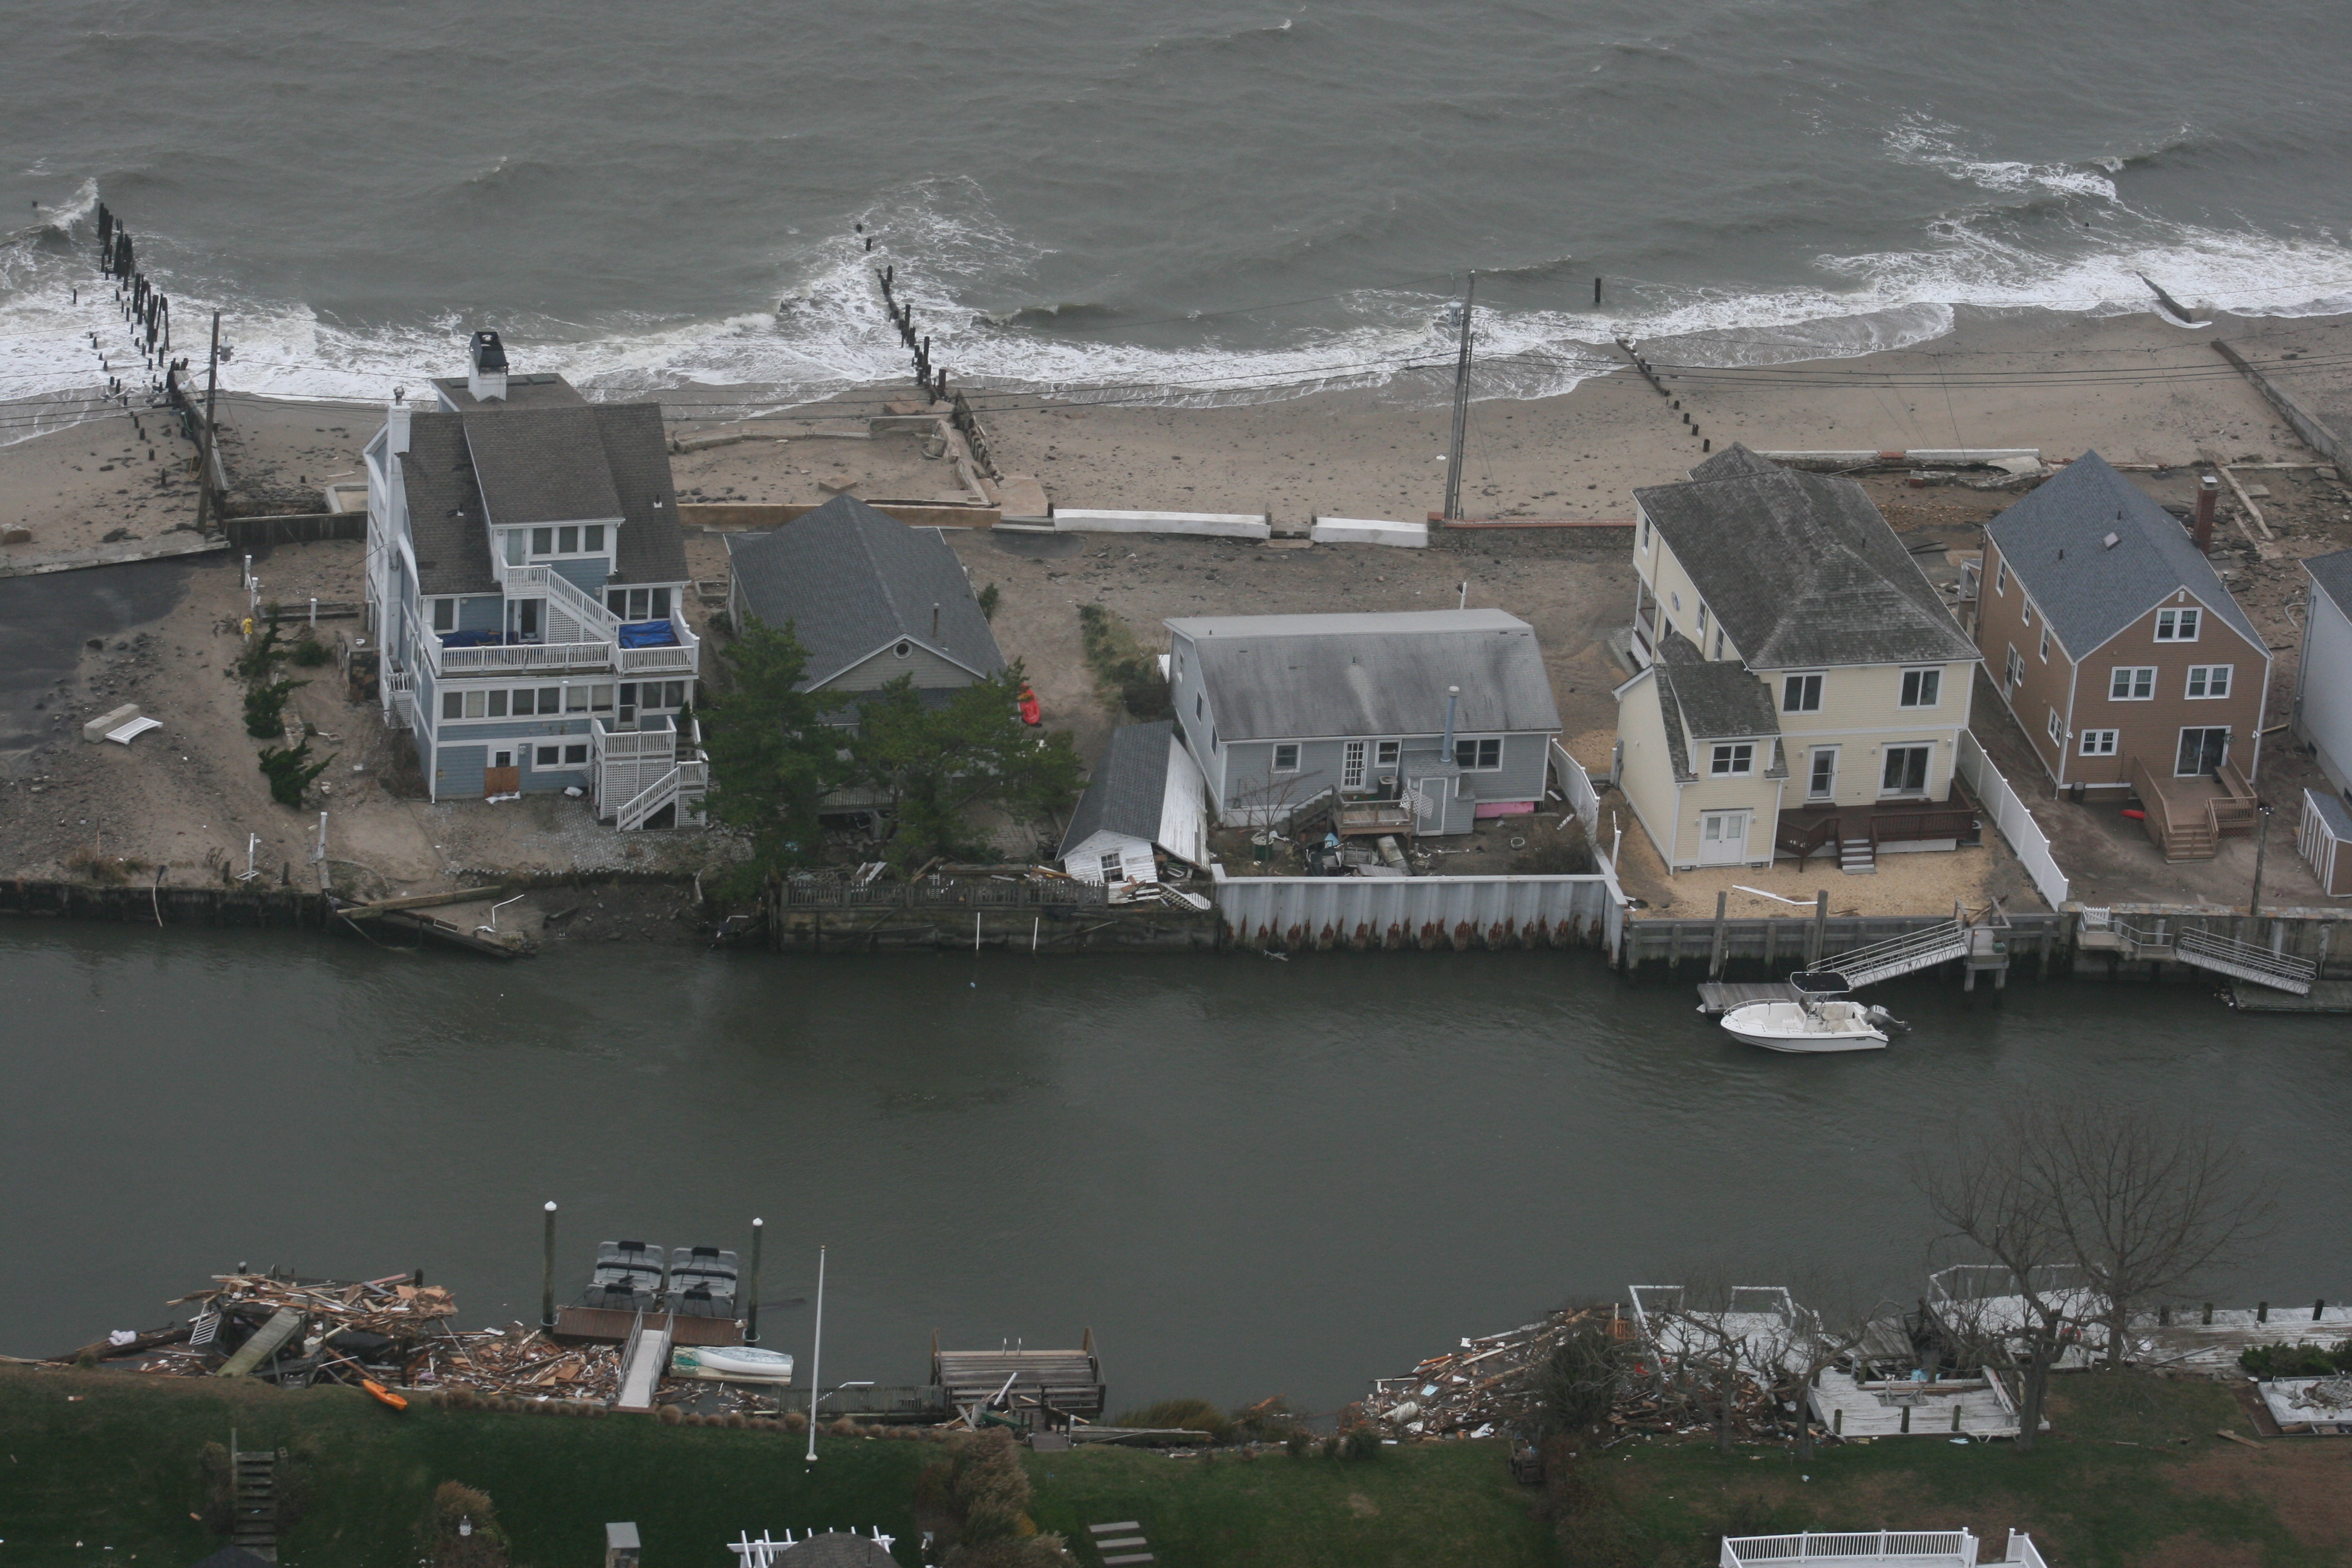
1715,954
547,1277
751,1317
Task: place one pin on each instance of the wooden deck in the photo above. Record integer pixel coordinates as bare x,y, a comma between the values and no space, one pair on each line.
1961,1408
2189,818
1066,1381
609,1326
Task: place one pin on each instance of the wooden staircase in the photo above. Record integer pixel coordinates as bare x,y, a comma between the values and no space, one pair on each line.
254,1526
1858,856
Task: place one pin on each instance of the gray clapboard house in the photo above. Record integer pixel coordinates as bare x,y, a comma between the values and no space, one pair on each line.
1144,799
1447,709
525,574
871,599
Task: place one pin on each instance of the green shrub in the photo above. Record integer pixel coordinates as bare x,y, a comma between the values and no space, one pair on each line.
1360,1443
1184,1414
311,653
461,1530
292,772
988,597
2296,1361
1121,664
1579,1382
265,706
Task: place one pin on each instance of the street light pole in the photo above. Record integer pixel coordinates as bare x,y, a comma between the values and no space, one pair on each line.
816,1356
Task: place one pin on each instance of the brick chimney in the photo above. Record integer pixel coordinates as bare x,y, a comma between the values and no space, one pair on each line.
2209,488
485,368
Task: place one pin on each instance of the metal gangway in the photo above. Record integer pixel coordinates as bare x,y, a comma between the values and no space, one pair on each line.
1905,954
2244,961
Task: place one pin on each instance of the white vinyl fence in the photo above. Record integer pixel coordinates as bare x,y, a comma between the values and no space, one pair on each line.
1576,786
2016,824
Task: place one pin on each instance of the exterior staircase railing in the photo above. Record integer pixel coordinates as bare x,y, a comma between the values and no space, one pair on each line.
1903,954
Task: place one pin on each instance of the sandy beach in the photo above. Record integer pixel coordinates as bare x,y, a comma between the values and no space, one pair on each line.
2136,390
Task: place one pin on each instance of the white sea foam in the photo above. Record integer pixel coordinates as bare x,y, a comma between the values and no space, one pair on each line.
1934,146
832,335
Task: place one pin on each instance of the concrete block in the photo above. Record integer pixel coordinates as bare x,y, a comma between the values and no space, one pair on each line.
15,536
95,730
1369,531
1206,524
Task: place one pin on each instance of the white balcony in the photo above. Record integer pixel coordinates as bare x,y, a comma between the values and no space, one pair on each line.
500,658
684,659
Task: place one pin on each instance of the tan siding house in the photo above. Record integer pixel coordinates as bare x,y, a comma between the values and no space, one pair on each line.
1775,610
2123,655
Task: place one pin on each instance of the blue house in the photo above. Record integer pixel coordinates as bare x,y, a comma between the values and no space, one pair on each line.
526,581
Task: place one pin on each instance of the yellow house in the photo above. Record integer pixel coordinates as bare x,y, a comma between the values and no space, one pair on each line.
1802,688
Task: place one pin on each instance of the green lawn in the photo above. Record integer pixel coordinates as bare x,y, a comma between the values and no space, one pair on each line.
113,1461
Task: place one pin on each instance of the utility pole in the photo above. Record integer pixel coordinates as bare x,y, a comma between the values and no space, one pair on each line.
816,1357
1461,404
205,455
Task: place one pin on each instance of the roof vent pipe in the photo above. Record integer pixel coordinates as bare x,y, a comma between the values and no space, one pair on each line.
935,620
2208,490
1452,698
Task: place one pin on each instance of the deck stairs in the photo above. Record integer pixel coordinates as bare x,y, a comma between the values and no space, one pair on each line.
1905,954
637,774
2244,961
254,1522
1858,856
573,616
642,1363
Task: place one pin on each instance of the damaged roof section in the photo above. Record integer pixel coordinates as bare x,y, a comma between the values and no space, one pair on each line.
1800,568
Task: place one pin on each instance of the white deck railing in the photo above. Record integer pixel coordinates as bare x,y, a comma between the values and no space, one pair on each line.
1903,1547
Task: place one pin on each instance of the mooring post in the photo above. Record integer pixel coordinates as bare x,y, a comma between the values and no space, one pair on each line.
1715,958
751,1317
547,1276
1820,935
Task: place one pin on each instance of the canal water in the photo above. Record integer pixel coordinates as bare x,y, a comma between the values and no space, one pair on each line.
1248,1177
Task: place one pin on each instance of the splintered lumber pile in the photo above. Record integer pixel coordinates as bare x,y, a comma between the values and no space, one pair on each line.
1485,1384
393,1307
1491,1386
517,1362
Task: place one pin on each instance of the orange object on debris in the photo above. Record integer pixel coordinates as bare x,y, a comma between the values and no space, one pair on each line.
1031,713
384,1394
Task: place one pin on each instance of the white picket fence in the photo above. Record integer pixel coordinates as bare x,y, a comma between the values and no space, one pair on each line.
2015,822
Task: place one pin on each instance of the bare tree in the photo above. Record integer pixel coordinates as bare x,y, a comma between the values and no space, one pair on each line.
1707,1340
1988,1193
1830,1319
2092,1212
2144,1204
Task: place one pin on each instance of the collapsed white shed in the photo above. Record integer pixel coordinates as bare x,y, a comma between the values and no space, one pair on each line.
1146,793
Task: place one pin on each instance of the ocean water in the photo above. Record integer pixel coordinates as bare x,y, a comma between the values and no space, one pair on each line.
1229,199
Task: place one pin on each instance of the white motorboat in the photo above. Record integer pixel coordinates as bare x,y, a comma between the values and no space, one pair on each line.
1820,1019
1832,1025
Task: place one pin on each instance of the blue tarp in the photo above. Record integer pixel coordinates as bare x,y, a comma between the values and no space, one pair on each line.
472,639
648,634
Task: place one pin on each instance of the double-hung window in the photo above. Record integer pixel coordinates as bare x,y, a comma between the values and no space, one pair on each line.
2044,650
2057,726
2100,742
1482,756
1285,757
2131,683
2000,579
1801,693
2013,671
2206,680
1733,759
2176,626
1922,688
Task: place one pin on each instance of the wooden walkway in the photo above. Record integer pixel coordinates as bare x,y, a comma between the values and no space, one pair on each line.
2327,996
1070,1381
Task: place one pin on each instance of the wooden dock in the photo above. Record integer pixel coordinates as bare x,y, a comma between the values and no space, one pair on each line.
611,1326
1070,1381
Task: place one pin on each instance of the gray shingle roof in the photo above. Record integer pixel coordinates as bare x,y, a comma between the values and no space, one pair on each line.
1279,676
1127,788
652,547
2054,543
621,445
539,391
445,508
851,582
1800,568
2334,575
542,464
1709,701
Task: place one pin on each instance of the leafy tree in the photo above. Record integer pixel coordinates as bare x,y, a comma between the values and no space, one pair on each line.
773,758
932,765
